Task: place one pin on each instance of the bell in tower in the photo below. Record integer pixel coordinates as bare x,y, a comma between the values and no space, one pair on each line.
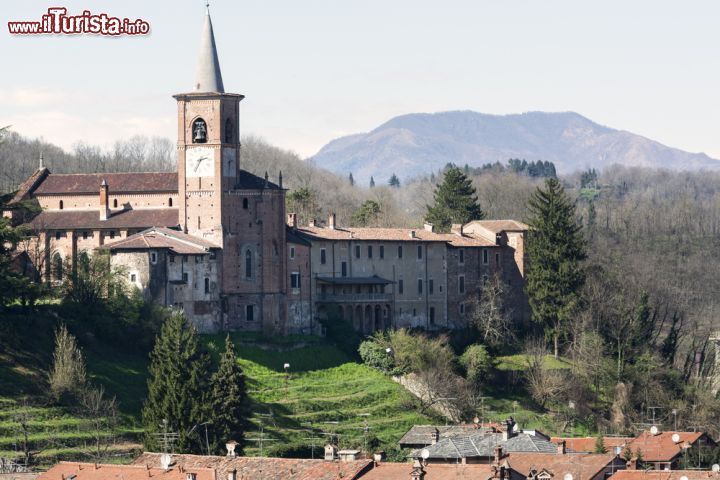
199,131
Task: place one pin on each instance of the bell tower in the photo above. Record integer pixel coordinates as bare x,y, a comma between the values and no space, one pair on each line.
208,145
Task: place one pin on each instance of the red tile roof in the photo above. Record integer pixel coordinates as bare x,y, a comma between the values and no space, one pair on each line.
587,444
393,234
433,471
79,183
90,219
661,447
581,466
91,471
665,475
162,238
498,226
29,185
266,468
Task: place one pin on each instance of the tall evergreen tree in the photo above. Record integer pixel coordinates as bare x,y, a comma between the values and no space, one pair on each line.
351,179
228,398
456,201
372,182
555,250
177,386
394,181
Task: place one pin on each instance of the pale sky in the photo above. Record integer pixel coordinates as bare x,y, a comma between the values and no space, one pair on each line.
313,70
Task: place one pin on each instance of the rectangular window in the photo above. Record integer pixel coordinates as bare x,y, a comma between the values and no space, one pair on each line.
323,256
369,251
357,251
133,277
485,256
207,285
292,253
399,251
250,313
295,280
432,315
431,286
343,267
112,234
461,283
400,286
57,235
462,308
420,286
171,258
382,251
153,257
419,249
185,277
461,256
198,258
414,312
85,235
497,260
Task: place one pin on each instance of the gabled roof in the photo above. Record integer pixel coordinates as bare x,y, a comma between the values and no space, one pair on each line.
483,445
421,434
418,235
266,468
498,226
433,471
661,447
157,238
92,471
30,185
587,444
581,466
90,219
666,475
89,183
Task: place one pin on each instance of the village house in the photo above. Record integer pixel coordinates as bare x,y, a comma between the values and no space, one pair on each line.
214,241
585,466
667,475
612,444
101,471
664,450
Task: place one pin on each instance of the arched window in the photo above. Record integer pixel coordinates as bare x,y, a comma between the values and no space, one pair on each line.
57,267
199,131
228,131
245,203
115,203
248,263
61,204
170,202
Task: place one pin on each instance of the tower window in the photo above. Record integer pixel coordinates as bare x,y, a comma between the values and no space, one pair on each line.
199,131
248,264
245,203
228,131
170,202
61,205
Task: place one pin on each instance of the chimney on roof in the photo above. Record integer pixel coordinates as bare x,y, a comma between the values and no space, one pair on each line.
498,454
428,227
417,472
230,445
434,436
457,229
331,221
632,464
378,456
104,201
292,220
508,432
561,447
280,179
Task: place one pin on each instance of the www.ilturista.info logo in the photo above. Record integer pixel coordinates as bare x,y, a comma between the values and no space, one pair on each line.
57,21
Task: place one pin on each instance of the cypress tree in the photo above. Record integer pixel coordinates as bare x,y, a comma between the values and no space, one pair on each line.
555,250
372,182
177,386
228,399
600,445
456,201
394,181
351,179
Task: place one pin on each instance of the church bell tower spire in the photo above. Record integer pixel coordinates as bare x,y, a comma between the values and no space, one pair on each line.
208,77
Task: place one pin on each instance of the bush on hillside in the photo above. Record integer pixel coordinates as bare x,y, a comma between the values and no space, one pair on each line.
375,355
478,364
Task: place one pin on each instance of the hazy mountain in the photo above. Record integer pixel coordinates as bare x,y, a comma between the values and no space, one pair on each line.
419,143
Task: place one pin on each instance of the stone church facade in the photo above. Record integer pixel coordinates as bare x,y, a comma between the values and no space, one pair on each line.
214,240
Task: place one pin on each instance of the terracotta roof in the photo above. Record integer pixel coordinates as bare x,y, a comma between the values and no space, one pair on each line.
581,466
433,471
498,226
29,185
163,238
665,475
587,444
266,468
91,471
660,447
90,219
393,234
61,183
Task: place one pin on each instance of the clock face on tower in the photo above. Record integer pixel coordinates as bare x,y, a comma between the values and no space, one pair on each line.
199,162
228,156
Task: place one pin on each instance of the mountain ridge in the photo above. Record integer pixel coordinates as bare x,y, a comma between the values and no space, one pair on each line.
419,143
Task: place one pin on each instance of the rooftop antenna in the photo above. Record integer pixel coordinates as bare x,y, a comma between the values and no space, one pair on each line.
166,438
313,438
653,413
262,438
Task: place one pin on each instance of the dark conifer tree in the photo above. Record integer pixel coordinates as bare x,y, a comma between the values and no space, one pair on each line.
394,181
177,387
372,182
351,180
228,400
556,248
456,201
